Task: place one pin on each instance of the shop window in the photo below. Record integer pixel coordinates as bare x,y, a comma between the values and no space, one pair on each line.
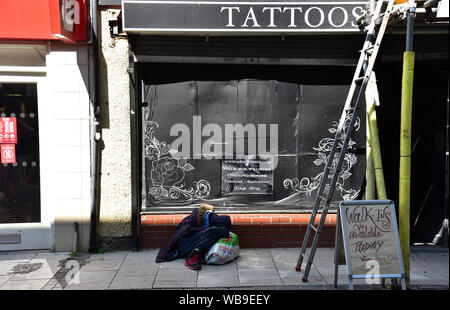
19,168
237,140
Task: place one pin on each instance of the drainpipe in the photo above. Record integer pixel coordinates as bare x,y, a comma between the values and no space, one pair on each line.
405,142
95,127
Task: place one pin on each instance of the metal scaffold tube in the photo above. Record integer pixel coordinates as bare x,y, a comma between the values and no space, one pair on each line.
405,143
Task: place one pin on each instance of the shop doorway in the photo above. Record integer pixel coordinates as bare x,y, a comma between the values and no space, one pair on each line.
23,225
428,160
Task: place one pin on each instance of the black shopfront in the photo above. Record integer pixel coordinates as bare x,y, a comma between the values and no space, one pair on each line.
233,106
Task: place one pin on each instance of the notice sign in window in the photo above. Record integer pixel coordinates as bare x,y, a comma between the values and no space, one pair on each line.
8,153
8,130
247,176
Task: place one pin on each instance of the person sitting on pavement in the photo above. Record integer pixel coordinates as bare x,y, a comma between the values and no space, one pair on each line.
194,236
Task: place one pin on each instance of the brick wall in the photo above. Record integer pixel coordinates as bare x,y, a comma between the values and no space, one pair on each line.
253,230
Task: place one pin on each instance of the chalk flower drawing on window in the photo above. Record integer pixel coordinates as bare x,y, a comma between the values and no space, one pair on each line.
308,185
167,173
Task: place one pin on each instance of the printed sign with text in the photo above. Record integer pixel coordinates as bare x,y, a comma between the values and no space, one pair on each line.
8,153
8,130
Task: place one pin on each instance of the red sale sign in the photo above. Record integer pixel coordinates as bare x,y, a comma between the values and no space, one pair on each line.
8,153
8,130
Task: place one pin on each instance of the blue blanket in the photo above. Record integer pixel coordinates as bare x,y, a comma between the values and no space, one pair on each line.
187,227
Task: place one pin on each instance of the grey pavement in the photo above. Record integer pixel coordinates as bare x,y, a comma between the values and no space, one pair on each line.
264,269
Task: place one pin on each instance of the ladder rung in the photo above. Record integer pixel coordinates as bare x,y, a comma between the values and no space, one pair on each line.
349,109
368,49
330,168
313,227
323,197
360,79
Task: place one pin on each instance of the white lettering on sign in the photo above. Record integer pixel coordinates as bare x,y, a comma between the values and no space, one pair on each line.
313,17
271,10
250,16
322,17
330,17
230,14
292,10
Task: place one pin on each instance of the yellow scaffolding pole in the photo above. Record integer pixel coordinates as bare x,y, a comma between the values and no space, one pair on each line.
370,173
405,159
374,173
405,142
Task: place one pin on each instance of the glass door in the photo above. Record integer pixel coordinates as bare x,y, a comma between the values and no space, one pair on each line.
19,142
23,224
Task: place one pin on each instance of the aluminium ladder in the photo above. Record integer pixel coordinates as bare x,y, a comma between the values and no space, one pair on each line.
366,62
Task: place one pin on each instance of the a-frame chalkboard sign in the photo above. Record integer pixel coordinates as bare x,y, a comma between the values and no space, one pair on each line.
368,229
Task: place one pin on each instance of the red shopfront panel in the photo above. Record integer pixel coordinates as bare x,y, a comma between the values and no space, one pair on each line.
64,20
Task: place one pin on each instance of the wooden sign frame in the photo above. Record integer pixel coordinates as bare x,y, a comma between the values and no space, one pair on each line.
341,235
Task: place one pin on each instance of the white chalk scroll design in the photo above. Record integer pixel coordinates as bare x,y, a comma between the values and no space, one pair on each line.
308,185
167,173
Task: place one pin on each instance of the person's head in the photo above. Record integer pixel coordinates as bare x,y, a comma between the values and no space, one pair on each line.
201,213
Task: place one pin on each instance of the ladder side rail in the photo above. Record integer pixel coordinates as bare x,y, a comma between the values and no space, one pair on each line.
331,156
362,58
318,199
315,242
378,40
333,182
367,74
361,61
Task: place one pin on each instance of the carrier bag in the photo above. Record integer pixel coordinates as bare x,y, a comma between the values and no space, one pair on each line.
223,251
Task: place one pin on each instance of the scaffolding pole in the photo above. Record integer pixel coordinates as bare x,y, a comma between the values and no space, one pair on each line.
405,142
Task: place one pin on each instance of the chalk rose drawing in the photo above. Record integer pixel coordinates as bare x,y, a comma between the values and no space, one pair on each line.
308,185
167,173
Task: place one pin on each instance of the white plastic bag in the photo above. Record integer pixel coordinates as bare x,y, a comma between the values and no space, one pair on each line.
223,251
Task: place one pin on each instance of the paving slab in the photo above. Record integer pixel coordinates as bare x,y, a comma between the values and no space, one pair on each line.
54,284
99,264
52,262
6,267
285,258
44,272
132,282
93,276
255,259
175,277
4,279
327,273
218,275
292,277
146,256
52,255
35,284
176,263
119,255
17,257
138,269
259,276
88,286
